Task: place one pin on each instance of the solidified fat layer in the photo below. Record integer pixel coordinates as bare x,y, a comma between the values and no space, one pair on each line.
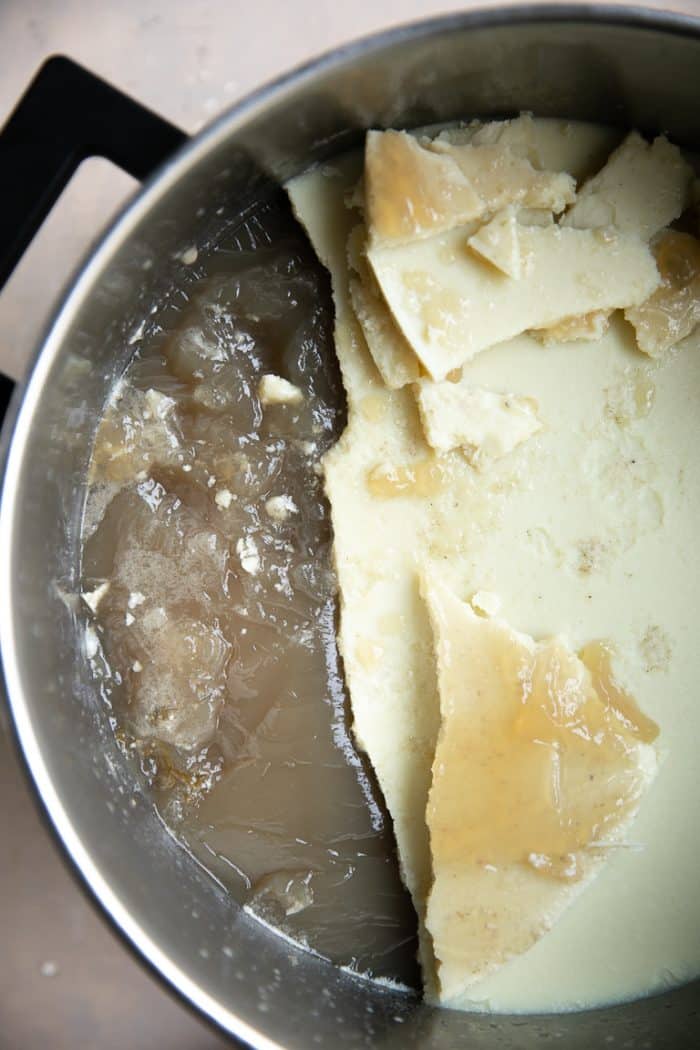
588,542
498,241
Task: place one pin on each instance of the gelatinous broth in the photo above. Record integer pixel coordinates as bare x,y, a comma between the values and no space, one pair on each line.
211,610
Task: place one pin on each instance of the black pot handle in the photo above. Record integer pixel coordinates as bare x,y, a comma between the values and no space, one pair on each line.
66,115
6,388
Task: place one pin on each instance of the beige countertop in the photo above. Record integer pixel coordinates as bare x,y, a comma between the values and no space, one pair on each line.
65,981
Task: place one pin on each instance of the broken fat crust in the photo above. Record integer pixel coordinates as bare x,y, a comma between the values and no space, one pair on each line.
464,241
447,221
451,305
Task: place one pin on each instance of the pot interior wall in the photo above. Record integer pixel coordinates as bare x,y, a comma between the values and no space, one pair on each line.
637,75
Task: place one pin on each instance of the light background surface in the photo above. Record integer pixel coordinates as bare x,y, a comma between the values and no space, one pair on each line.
65,981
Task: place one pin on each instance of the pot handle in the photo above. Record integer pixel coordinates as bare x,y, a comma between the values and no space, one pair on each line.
66,115
6,388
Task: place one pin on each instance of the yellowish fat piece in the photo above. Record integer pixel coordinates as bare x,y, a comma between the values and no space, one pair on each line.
487,425
642,188
672,312
411,192
540,767
586,328
415,190
450,305
397,363
501,177
498,242
393,356
578,148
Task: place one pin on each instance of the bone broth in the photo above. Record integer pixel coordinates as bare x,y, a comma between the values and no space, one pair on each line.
505,564
207,562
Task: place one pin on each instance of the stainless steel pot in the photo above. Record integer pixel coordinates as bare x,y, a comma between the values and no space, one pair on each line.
632,68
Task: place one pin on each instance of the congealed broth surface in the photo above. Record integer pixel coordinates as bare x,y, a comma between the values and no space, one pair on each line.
212,609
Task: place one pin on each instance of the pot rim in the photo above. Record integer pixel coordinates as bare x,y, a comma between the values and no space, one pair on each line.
19,419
